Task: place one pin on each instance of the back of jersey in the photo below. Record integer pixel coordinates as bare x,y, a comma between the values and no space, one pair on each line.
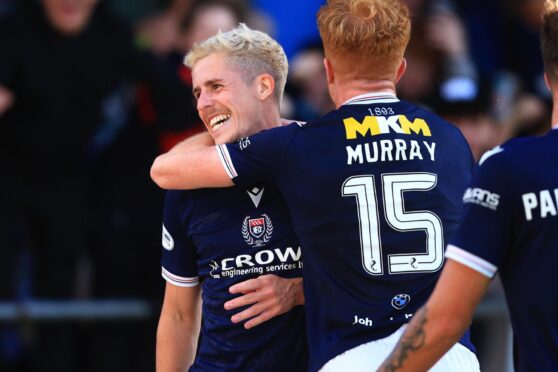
374,189
381,183
511,226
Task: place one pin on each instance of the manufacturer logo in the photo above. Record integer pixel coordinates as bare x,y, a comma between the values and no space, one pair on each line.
257,231
400,301
256,195
168,241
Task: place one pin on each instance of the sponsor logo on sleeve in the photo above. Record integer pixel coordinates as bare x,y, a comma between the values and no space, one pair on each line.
168,241
481,197
244,143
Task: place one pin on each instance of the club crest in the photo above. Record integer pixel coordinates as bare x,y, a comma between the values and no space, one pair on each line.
257,231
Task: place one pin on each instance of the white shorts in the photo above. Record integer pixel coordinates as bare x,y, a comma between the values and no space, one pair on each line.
368,357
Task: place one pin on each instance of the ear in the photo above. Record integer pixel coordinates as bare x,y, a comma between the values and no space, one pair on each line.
329,71
401,70
265,85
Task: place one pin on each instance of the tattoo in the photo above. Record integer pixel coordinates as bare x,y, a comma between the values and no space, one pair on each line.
412,340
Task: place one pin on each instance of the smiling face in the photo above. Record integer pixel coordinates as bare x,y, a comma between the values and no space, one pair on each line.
229,107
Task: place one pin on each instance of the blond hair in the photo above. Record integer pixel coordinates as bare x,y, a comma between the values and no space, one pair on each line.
248,51
365,38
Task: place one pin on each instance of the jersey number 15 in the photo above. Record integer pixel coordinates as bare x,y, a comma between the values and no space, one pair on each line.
394,185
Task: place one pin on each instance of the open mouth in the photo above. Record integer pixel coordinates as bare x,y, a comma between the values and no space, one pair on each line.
218,120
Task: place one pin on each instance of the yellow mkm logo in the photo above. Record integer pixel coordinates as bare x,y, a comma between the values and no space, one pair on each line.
383,125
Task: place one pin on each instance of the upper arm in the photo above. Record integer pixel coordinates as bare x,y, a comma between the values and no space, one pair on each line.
190,170
182,301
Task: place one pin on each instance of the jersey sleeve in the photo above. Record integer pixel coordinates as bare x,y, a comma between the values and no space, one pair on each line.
259,157
483,237
179,256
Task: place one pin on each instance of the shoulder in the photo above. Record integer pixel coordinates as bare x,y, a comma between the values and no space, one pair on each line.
510,151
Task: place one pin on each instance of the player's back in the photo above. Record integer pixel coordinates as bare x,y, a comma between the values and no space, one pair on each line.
374,189
518,187
381,186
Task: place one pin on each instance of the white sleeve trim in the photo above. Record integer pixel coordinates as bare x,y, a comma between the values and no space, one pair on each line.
225,158
179,281
470,260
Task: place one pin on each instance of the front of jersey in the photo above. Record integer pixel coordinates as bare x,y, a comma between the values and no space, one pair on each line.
374,190
220,237
511,226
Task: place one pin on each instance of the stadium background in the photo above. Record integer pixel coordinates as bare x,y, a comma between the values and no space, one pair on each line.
93,306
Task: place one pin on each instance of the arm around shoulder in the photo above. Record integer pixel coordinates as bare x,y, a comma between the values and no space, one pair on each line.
196,169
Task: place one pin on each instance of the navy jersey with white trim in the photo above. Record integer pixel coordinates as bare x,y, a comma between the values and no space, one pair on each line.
374,190
217,238
511,226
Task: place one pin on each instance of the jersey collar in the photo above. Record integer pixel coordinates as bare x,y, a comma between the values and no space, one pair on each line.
370,98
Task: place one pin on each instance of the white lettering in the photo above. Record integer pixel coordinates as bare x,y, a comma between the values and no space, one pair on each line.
289,251
431,149
547,205
354,155
529,203
386,147
415,151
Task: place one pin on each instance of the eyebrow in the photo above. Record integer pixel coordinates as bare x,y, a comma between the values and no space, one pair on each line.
207,83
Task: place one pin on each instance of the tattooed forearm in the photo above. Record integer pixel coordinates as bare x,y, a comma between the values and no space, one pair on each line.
412,340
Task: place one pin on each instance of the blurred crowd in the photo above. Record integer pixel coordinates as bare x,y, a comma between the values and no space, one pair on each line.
91,91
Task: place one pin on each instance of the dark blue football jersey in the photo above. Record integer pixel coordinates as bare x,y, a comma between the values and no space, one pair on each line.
374,189
511,226
217,238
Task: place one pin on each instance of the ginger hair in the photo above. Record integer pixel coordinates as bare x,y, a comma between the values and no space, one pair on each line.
365,39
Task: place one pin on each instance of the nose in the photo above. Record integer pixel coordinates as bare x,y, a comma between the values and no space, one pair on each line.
204,100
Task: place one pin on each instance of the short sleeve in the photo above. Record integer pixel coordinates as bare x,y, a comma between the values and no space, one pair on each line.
179,256
483,237
257,158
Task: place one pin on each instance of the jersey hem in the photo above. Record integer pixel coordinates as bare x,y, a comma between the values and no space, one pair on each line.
472,261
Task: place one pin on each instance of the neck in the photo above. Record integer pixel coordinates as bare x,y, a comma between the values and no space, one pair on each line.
343,91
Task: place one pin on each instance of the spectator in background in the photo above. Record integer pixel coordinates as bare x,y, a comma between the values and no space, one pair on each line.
308,94
66,70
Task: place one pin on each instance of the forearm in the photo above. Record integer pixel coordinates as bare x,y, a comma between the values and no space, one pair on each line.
426,339
298,291
196,142
176,342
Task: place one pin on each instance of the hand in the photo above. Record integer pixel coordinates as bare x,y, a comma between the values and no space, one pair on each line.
270,295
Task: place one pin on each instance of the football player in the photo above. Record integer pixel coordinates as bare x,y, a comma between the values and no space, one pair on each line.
241,237
373,188
510,227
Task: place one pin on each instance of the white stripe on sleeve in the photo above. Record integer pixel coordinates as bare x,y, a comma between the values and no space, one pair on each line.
225,158
470,260
179,280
